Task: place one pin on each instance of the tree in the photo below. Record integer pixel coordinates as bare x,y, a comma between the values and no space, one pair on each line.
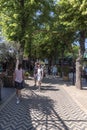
73,16
20,18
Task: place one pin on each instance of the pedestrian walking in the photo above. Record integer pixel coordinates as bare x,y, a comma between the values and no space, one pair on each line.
54,70
18,81
39,76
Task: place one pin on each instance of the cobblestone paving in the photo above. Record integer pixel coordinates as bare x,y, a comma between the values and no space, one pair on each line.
50,109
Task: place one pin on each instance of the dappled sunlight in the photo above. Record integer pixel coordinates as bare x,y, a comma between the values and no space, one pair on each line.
43,114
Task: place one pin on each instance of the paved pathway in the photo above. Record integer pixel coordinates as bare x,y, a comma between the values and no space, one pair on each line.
6,92
51,109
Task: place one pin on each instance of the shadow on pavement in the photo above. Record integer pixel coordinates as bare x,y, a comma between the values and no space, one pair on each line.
51,88
34,112
60,81
43,114
55,81
43,88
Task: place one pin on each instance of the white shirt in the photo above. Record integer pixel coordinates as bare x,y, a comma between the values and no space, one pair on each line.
39,74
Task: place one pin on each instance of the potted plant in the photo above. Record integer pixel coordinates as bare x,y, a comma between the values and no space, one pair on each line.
26,74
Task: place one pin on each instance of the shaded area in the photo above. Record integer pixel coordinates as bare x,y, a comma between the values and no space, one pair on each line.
60,81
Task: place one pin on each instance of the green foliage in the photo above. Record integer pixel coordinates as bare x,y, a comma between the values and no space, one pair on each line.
27,73
43,29
19,19
73,14
73,52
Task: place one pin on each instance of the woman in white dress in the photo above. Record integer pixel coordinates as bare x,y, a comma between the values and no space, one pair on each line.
39,76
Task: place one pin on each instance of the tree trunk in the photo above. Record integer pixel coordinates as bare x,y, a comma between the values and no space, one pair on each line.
78,73
79,60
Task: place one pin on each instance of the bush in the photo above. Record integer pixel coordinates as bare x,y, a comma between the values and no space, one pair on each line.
27,74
